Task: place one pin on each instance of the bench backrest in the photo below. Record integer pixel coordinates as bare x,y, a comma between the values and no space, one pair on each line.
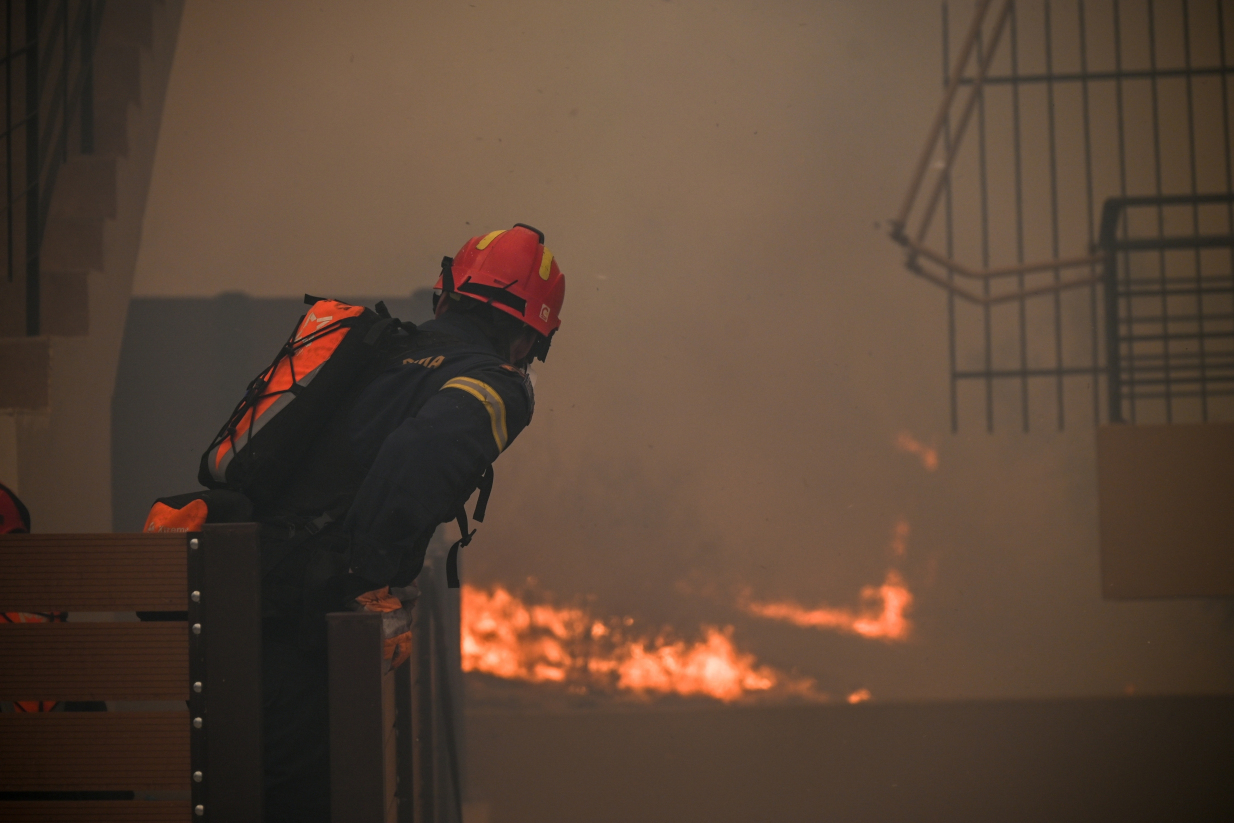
212,660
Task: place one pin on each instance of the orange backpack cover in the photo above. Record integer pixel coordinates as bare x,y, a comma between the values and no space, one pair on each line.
288,404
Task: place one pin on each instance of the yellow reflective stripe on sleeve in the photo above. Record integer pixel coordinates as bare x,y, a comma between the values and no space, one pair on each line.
489,238
493,404
546,264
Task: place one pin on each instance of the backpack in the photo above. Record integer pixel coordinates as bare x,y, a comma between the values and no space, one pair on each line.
288,404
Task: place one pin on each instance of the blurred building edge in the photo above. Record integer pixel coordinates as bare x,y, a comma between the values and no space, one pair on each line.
58,353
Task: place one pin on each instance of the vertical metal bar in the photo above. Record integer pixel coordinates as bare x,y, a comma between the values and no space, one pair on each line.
87,78
951,342
953,84
1053,142
34,234
1088,189
64,143
422,707
1225,124
1019,211
446,709
1167,387
9,209
1110,217
979,90
1195,214
231,621
983,66
199,680
357,767
1112,285
405,731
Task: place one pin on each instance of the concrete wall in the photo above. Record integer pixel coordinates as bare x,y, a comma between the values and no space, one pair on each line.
1167,510
62,460
184,364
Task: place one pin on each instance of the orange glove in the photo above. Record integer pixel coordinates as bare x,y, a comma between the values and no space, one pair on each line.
395,623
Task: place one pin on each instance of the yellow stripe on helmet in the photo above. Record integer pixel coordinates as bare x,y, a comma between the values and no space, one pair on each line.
546,264
489,238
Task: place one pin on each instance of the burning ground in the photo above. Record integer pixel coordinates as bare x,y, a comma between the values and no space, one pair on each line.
524,636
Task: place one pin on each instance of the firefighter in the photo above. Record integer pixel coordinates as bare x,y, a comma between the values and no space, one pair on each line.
351,530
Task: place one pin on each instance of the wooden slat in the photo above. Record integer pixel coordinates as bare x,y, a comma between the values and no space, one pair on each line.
93,572
94,751
94,661
95,811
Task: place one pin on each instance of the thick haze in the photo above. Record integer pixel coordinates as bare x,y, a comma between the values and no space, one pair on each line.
741,345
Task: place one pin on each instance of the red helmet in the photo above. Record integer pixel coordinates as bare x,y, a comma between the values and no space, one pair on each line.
511,270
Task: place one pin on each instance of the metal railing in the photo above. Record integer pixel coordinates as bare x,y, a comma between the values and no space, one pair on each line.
48,67
1169,311
1074,104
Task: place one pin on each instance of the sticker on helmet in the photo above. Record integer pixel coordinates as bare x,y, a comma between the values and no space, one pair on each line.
489,238
544,312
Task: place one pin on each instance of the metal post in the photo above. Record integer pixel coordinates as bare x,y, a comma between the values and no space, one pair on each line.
33,210
1111,211
67,60
357,765
87,78
224,618
422,707
404,729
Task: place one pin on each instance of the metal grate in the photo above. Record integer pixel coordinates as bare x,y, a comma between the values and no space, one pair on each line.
1169,309
1082,109
48,109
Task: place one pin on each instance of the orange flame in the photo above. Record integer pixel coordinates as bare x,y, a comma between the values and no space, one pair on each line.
882,616
899,538
860,696
928,455
505,637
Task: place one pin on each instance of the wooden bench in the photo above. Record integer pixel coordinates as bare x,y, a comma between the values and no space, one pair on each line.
382,721
212,751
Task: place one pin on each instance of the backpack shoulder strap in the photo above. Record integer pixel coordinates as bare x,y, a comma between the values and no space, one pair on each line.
486,488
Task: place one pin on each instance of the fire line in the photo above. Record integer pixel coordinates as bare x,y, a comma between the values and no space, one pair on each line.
881,618
508,638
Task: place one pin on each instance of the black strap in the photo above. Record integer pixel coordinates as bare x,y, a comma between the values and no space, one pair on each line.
486,488
376,329
452,557
447,275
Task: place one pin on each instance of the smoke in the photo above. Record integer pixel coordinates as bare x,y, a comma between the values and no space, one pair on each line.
741,352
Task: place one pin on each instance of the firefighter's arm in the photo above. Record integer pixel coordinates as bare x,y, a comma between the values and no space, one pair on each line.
429,463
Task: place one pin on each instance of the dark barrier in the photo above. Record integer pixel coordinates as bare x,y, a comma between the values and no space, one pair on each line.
212,750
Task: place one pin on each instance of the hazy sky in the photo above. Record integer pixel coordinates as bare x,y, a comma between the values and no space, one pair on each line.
741,345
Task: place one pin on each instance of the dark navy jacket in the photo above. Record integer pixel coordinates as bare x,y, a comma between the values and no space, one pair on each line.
427,429
401,459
